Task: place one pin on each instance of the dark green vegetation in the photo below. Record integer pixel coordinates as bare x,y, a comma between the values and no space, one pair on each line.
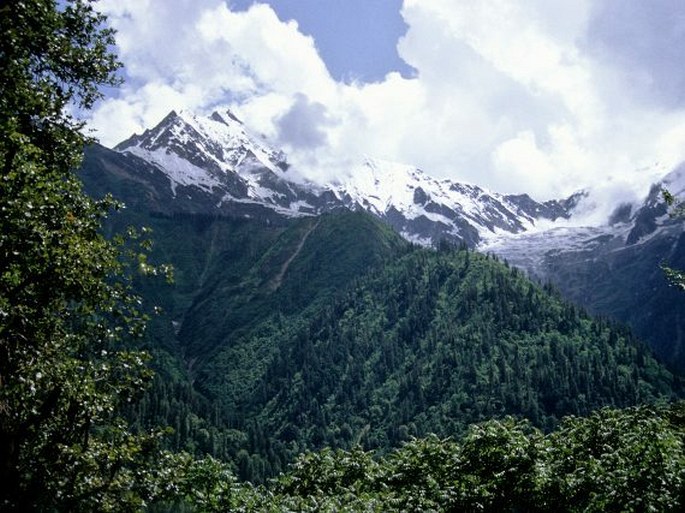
280,336
333,331
629,460
64,300
435,341
428,343
627,283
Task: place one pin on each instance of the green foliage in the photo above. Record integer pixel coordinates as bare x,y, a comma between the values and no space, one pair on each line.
64,302
328,472
429,343
402,343
618,461
630,460
224,313
615,460
677,207
675,276
55,56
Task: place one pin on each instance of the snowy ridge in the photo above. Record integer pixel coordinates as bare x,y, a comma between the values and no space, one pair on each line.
211,152
379,185
179,170
410,199
639,227
221,138
226,133
220,157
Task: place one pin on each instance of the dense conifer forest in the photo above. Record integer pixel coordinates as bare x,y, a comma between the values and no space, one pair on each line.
429,342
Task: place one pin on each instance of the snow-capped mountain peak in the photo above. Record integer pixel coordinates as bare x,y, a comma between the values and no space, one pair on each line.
426,209
378,184
220,141
219,156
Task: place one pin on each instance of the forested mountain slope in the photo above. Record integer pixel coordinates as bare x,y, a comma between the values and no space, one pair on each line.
616,270
281,336
428,344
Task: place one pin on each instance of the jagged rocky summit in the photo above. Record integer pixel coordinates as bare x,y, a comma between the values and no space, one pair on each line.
216,162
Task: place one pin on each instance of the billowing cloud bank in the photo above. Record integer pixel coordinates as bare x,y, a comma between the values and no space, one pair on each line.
541,96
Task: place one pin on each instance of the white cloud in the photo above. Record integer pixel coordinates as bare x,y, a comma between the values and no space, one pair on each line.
507,93
193,55
275,54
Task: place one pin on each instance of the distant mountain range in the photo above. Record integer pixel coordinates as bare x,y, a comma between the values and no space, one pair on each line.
217,159
214,166
223,168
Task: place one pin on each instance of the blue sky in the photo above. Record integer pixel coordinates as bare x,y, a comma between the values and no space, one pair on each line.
538,96
357,39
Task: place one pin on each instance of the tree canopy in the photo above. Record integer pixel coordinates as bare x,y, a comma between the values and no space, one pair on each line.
64,304
630,460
